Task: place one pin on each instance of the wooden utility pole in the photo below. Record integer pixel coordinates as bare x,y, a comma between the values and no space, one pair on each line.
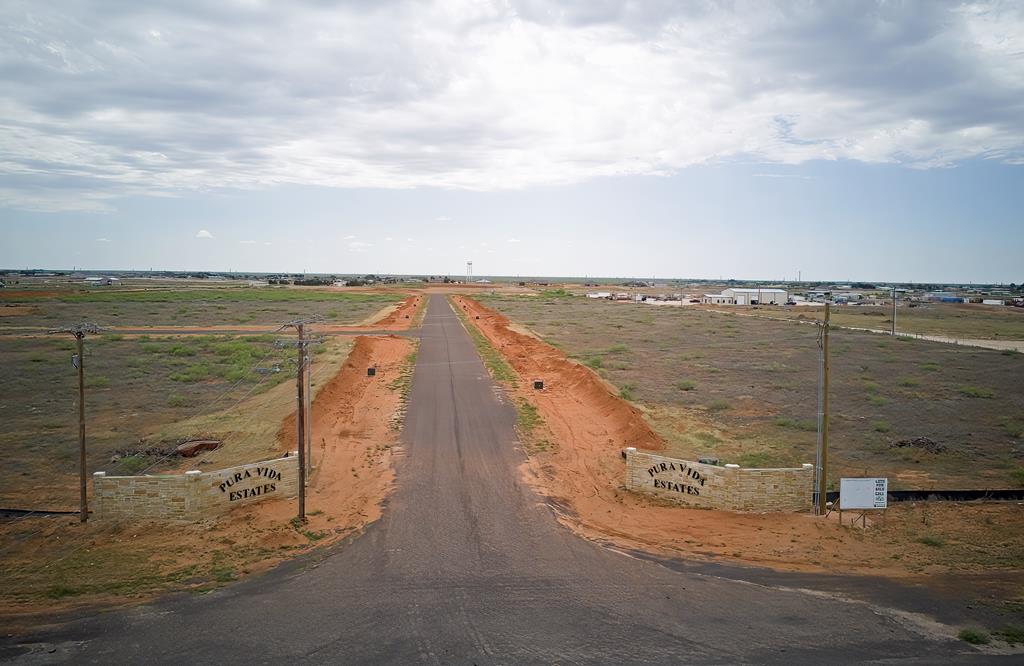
300,415
894,311
79,331
309,415
301,345
823,473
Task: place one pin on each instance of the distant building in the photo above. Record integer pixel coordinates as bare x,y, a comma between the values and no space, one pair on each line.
96,281
734,296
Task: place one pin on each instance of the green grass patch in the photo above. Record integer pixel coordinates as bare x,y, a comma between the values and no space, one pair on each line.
877,400
931,366
909,382
796,424
618,349
718,405
494,361
974,636
933,541
1017,476
627,392
176,400
1012,634
977,392
881,426
756,459
594,363
196,372
685,385
527,417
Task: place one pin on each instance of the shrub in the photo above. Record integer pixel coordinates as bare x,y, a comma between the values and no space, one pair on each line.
618,349
877,400
594,362
930,366
193,373
718,405
1012,634
1018,476
974,636
685,385
933,541
909,382
97,381
882,426
977,392
626,392
176,400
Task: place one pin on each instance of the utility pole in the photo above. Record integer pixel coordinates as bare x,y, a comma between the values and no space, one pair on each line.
301,345
79,331
823,472
309,415
894,311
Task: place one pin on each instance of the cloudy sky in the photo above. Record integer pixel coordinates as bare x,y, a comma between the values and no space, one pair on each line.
846,140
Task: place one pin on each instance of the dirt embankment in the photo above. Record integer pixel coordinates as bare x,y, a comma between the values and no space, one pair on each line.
53,564
583,474
352,436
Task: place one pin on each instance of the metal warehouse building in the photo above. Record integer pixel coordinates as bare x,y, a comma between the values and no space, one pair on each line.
748,297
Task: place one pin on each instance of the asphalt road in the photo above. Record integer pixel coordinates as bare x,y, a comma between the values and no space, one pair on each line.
469,566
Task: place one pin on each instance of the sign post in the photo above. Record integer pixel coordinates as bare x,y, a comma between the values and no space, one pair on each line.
863,495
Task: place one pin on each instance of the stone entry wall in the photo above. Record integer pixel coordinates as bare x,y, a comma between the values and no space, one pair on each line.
731,487
193,495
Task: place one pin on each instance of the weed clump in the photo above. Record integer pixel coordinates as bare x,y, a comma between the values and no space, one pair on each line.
974,636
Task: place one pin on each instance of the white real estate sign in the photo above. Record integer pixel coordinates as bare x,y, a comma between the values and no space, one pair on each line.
863,493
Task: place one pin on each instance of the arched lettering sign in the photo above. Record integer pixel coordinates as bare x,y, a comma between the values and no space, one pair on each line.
676,477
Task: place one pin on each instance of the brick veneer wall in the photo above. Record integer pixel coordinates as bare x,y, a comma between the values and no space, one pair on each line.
710,486
194,494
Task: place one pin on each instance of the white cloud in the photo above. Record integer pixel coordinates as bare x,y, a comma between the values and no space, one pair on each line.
203,233
102,240
349,237
410,240
359,246
513,240
247,242
388,239
488,96
781,175
442,218
267,243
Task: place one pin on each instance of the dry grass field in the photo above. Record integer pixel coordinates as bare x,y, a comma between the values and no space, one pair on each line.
42,306
971,321
744,389
145,394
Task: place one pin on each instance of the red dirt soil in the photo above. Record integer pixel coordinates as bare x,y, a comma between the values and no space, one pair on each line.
583,476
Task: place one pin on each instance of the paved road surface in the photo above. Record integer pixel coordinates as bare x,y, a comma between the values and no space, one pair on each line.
468,566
